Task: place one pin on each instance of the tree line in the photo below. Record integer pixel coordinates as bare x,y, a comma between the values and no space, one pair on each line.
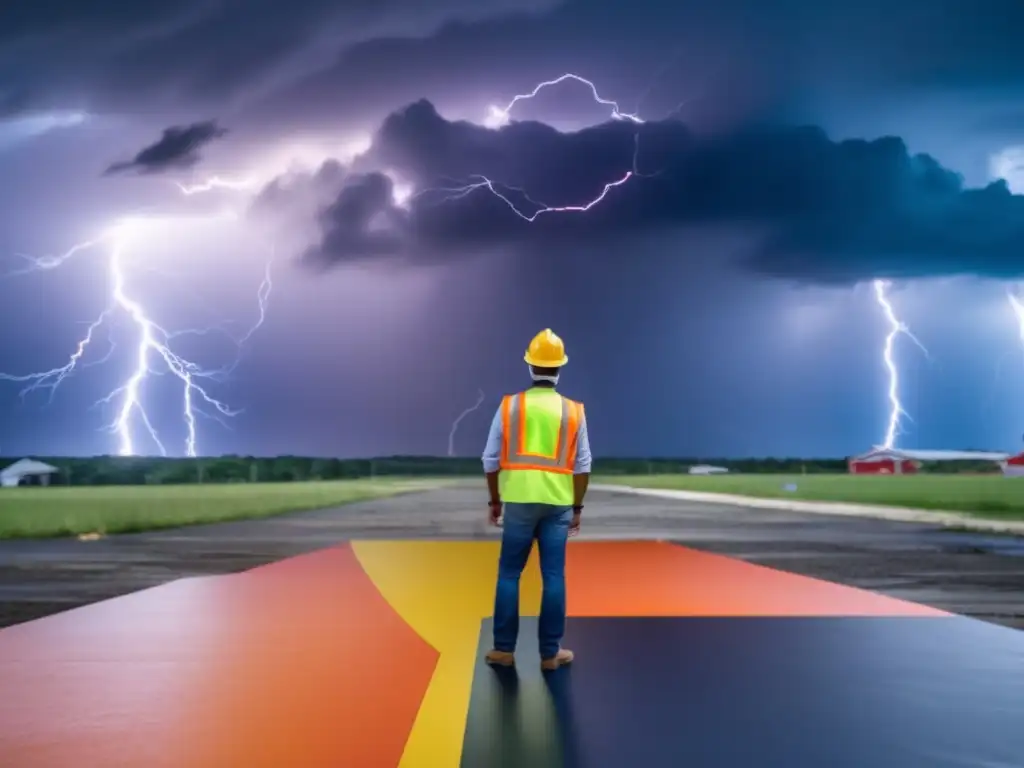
119,470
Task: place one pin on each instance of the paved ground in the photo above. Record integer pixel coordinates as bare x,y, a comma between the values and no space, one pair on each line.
981,576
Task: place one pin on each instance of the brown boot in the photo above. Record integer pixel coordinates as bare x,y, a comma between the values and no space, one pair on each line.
500,658
560,659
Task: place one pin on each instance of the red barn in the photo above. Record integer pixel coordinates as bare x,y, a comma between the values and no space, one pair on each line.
1014,466
882,461
893,461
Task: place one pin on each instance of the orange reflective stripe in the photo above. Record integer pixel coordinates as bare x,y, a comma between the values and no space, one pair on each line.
520,405
553,470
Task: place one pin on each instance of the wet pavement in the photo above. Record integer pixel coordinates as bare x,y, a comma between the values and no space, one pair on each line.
976,575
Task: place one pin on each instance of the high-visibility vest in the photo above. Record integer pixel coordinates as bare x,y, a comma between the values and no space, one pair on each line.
540,432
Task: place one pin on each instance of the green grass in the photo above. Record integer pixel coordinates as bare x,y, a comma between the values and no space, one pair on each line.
51,512
991,496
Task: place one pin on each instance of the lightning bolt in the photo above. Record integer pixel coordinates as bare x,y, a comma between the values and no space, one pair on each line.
459,418
896,329
502,192
1018,312
153,347
154,352
498,116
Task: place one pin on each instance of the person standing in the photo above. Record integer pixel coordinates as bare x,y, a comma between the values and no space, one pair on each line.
537,463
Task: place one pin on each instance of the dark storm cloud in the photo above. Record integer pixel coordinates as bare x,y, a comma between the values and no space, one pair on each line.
355,212
362,222
25,21
178,147
120,52
742,55
299,191
304,54
825,211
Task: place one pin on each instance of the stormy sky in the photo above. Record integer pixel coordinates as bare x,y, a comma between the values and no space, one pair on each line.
319,219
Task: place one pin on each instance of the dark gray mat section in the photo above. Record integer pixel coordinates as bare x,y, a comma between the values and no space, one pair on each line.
771,692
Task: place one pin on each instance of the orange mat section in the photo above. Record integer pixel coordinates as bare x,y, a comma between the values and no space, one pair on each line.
643,578
299,663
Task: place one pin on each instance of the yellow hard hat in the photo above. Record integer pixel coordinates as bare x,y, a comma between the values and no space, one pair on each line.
546,350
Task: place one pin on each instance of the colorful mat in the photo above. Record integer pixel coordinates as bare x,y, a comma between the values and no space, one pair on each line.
370,654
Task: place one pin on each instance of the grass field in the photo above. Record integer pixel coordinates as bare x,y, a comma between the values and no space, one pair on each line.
49,512
991,496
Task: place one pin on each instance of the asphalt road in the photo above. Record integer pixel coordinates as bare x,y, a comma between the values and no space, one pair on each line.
980,576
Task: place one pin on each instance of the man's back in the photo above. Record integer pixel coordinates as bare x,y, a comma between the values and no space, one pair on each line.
539,449
539,440
537,462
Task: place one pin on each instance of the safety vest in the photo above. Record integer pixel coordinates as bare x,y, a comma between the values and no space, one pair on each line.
540,432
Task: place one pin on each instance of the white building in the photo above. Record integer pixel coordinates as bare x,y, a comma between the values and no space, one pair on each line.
707,469
23,469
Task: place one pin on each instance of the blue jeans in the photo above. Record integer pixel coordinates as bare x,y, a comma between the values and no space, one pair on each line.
548,524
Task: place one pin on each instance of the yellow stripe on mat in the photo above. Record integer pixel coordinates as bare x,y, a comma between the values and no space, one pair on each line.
443,590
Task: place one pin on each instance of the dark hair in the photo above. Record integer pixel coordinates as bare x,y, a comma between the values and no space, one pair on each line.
539,371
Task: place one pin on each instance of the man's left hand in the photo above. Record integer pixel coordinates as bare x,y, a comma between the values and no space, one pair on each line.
495,515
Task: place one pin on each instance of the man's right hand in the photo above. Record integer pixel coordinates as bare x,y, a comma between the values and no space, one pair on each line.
574,526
